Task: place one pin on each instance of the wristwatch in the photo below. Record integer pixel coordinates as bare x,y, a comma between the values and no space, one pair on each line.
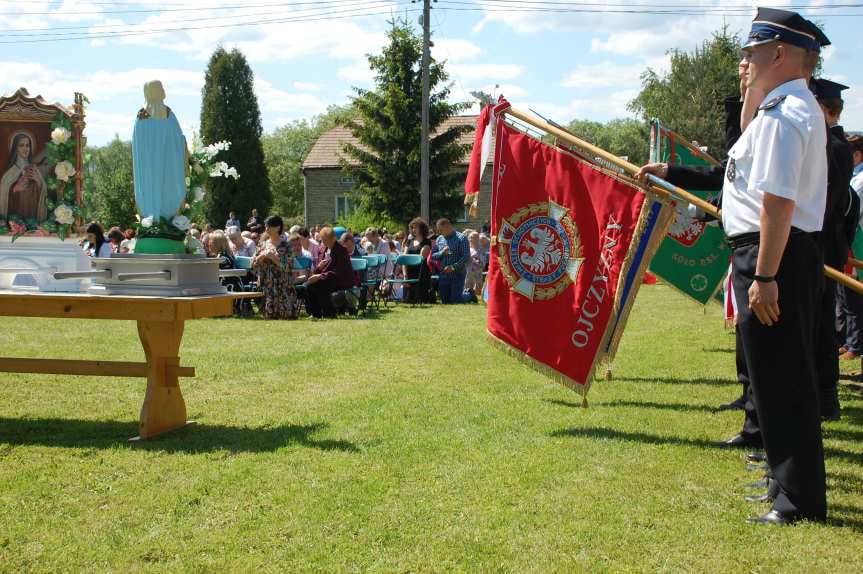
764,278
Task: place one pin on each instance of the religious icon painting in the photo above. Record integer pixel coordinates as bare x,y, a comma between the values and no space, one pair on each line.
41,159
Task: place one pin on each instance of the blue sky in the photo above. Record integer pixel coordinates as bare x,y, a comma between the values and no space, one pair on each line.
564,64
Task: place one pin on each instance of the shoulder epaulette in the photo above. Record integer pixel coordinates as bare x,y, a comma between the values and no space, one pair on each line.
772,103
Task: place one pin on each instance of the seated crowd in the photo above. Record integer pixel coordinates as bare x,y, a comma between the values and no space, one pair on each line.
313,268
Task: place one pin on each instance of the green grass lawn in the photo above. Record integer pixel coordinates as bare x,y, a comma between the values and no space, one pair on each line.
402,443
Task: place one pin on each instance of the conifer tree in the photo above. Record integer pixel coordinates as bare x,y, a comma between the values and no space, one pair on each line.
229,111
388,129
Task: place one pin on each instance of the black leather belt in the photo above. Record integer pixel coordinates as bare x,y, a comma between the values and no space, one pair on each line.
754,238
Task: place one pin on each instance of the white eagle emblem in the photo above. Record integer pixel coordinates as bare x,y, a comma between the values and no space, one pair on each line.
544,251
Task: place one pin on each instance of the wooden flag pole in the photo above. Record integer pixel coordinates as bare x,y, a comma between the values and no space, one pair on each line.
856,263
658,185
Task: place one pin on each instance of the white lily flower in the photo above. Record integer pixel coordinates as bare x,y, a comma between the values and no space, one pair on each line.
219,169
60,135
64,170
181,222
64,215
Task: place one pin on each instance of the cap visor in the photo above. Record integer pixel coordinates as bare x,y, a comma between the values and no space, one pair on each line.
753,43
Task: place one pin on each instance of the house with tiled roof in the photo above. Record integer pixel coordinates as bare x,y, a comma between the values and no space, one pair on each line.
327,187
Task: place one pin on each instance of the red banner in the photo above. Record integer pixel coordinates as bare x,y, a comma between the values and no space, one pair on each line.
563,236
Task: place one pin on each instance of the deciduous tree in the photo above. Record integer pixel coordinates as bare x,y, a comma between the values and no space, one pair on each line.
112,201
689,98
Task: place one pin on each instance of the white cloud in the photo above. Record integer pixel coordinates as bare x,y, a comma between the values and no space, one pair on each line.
469,73
358,72
455,50
103,88
655,41
603,75
307,86
40,14
618,30
59,85
604,108
288,104
102,126
852,115
270,35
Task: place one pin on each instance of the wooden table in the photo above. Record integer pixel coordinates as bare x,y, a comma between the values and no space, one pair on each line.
161,321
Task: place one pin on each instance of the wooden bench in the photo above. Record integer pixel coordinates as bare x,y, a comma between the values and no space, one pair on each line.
161,321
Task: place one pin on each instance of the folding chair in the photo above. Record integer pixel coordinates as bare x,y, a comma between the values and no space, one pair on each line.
359,265
411,261
301,263
372,281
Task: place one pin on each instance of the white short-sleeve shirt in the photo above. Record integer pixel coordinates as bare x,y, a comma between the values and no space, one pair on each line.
782,152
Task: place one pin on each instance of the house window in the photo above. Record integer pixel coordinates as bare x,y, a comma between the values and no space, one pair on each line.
465,215
344,206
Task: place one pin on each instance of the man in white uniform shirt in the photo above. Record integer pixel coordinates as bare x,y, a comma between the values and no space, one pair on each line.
774,198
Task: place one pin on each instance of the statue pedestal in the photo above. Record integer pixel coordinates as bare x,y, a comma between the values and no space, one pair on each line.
29,264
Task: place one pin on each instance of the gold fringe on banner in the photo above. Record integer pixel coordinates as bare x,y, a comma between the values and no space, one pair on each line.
664,221
472,201
537,366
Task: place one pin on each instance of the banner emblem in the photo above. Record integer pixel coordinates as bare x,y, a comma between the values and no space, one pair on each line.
540,250
685,230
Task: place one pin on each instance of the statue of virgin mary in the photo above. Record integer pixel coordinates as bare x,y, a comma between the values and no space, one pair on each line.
159,157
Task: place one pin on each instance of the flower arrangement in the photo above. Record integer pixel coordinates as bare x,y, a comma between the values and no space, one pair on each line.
202,165
62,211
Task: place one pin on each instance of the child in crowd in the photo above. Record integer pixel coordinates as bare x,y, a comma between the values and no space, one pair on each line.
473,280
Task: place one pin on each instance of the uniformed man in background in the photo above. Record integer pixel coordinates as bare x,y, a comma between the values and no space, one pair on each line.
711,179
774,198
836,237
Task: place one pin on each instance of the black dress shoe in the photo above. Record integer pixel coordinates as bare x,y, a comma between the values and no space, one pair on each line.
756,457
759,498
738,441
775,517
736,405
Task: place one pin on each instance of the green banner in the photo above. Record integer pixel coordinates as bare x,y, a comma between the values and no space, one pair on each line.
694,256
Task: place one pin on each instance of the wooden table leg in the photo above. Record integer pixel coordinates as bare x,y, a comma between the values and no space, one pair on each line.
164,408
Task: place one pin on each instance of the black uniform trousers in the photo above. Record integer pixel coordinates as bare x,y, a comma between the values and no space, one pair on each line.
750,429
781,364
849,326
835,251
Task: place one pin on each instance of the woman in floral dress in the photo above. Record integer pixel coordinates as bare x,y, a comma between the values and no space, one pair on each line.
274,262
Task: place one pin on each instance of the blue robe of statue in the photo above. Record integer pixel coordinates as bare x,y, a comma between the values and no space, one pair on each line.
159,166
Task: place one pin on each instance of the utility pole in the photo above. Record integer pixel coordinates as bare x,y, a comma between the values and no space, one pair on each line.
425,210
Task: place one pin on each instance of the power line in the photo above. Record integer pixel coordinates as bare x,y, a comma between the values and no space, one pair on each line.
339,15
488,6
684,5
132,27
185,9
